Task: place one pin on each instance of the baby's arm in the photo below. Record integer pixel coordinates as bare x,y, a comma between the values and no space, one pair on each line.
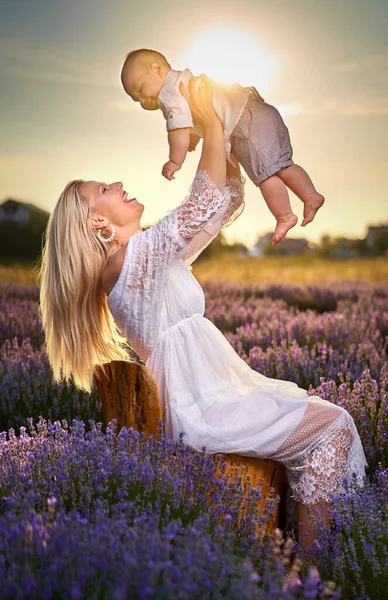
178,140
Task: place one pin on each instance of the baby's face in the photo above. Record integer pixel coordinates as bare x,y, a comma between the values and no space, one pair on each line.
143,84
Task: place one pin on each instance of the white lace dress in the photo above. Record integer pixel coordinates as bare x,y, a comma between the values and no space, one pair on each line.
208,392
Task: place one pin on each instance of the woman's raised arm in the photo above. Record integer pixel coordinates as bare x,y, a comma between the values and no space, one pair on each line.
213,158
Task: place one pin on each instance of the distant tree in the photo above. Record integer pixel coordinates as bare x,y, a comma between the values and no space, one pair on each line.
325,246
269,250
380,242
17,242
361,247
217,247
22,240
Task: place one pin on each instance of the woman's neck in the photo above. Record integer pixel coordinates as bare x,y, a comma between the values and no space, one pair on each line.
124,233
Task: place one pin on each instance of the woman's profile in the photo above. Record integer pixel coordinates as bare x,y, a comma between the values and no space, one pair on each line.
104,280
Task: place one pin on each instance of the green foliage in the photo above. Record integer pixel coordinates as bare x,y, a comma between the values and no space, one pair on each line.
20,241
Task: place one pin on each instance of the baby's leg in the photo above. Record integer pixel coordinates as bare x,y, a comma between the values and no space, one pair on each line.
300,183
276,196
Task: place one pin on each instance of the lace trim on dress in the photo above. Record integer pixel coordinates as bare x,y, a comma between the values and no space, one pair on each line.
338,456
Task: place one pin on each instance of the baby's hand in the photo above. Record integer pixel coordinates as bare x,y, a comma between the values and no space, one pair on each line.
194,139
169,169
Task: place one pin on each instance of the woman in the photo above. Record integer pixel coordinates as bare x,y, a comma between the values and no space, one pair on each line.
98,263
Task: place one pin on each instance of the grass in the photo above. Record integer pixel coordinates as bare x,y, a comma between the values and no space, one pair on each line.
18,273
298,270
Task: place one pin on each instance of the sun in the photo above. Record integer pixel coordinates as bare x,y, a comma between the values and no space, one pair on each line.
229,56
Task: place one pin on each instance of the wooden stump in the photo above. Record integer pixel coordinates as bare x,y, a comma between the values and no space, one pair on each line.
129,394
256,472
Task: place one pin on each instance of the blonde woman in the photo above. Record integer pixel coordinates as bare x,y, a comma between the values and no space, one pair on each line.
102,275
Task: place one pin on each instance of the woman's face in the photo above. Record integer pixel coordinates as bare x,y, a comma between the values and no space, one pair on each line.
112,202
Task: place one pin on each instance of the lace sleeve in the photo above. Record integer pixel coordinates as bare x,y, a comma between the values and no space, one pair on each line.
206,210
205,205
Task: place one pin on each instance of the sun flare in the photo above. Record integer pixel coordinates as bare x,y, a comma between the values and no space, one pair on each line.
231,56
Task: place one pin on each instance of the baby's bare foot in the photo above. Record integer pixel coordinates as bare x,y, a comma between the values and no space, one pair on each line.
282,226
311,206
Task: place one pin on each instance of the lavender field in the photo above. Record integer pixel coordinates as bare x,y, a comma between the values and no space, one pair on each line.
85,515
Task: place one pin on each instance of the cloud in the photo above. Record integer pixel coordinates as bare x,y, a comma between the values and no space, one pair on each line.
33,61
372,106
357,107
289,110
372,62
83,77
375,66
346,107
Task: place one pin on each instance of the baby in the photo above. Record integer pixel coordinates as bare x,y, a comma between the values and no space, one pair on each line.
254,131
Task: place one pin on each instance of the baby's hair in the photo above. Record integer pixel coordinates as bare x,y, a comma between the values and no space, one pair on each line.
144,57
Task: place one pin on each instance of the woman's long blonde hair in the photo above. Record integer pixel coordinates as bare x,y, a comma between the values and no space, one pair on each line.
79,328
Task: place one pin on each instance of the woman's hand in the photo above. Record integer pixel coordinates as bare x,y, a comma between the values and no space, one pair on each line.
199,97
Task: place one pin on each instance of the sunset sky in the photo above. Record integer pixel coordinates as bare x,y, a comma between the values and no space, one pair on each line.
323,63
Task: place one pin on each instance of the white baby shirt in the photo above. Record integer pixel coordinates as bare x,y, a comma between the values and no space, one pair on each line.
228,100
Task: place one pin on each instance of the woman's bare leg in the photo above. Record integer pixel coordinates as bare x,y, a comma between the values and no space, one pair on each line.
311,516
276,197
299,182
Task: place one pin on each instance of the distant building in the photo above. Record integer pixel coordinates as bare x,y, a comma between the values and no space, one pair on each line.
343,248
20,212
375,234
288,247
294,246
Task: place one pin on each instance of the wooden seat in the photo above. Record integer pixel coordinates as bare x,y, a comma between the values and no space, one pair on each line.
129,394
254,472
